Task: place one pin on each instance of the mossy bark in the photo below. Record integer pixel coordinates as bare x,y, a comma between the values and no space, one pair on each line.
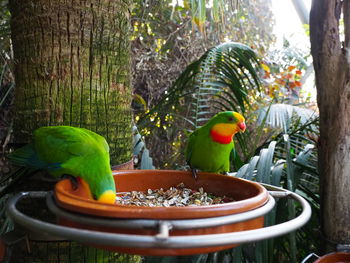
331,58
72,67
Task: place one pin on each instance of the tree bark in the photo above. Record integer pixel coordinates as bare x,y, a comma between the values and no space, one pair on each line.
331,63
72,67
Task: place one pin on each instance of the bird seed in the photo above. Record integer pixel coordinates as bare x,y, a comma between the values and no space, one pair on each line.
174,196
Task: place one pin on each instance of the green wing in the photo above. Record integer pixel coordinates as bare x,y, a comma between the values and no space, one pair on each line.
60,143
78,152
190,145
71,150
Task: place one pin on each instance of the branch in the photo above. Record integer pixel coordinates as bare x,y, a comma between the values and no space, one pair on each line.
301,9
347,24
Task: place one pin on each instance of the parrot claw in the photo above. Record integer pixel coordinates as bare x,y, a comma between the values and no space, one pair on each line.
73,180
194,174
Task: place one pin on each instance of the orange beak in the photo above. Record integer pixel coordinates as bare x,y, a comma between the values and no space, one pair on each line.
242,126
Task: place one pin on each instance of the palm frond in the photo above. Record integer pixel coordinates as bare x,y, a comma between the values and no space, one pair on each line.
290,163
220,79
141,154
280,115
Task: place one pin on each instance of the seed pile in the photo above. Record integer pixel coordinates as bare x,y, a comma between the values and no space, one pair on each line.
175,196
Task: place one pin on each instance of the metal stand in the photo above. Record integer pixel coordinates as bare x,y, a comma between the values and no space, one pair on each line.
162,239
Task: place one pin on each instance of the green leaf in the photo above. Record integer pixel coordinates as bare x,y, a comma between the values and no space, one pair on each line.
141,151
146,161
228,69
277,171
252,166
265,164
280,115
241,173
138,147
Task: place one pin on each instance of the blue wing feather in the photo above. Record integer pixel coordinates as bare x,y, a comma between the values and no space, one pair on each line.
26,156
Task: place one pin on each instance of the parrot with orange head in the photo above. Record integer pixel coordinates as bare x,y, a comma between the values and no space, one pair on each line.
209,147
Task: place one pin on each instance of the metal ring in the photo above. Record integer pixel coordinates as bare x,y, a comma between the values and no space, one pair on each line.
149,223
141,241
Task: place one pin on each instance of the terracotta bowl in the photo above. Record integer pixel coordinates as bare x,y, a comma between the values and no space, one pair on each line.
338,257
247,195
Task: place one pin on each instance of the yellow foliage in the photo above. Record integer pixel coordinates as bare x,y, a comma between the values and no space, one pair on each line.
186,4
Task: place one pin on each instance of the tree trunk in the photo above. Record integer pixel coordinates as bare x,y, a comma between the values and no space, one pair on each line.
72,67
331,63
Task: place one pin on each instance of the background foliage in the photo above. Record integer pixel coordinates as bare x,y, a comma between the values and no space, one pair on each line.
173,50
166,40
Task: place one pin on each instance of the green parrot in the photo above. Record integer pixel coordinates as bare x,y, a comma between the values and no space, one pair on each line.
209,147
66,150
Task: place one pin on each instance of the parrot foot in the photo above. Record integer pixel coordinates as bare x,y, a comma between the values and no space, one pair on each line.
72,179
194,174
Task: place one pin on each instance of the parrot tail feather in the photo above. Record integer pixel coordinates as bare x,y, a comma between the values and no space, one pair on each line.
53,166
26,156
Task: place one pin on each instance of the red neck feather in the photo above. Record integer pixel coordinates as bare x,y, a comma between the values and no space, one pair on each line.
217,137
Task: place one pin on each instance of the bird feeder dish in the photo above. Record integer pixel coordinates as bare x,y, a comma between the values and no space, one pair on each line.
337,257
158,237
247,195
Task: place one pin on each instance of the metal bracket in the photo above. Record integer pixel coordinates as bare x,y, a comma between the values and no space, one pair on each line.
164,228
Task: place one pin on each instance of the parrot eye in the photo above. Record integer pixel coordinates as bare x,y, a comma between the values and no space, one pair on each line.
230,118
